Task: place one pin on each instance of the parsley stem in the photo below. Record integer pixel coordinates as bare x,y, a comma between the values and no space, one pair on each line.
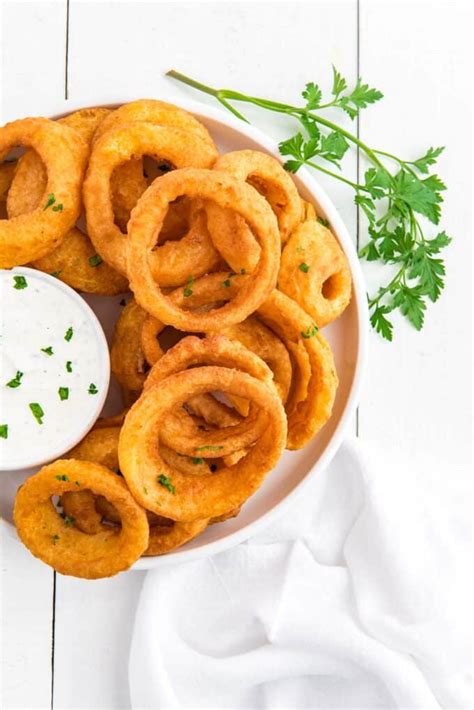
223,94
335,175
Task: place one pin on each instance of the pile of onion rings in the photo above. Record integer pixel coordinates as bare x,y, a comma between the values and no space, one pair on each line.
218,350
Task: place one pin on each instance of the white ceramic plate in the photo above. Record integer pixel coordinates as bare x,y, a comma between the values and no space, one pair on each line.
347,336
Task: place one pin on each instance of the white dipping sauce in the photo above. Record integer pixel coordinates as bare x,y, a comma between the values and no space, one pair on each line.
52,344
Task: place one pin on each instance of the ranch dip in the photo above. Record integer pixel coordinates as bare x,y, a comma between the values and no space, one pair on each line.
54,368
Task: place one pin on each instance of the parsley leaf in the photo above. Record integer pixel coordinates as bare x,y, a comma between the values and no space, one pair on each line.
95,260
48,350
37,411
16,381
92,389
69,334
20,282
63,393
3,431
166,483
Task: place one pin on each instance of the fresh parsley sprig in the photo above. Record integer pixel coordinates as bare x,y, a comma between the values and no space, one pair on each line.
397,196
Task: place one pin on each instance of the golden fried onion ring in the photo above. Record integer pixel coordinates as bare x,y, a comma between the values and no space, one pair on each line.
116,147
31,236
88,511
63,546
229,232
323,287
184,497
314,381
228,193
74,260
178,431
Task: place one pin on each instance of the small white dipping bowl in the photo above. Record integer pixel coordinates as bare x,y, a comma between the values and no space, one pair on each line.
34,318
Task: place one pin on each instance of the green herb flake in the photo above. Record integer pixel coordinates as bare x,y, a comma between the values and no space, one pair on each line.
37,411
20,282
62,477
3,431
69,366
166,483
188,291
69,334
208,448
63,393
242,271
226,283
95,260
56,273
92,388
16,381
68,519
303,267
48,350
323,221
50,201
55,538
197,461
58,208
145,490
309,332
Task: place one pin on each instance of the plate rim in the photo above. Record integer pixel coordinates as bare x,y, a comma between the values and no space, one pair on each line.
197,108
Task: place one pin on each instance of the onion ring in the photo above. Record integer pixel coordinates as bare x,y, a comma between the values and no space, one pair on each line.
89,510
115,148
147,219
179,496
65,548
178,431
315,273
266,175
127,360
74,260
314,382
31,236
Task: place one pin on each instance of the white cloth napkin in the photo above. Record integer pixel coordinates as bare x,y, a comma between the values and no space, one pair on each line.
356,599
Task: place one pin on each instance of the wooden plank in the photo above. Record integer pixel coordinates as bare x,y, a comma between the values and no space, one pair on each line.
257,47
416,396
32,77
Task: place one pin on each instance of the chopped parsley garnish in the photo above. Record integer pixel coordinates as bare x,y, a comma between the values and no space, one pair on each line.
50,201
145,490
69,366
20,282
69,334
188,291
303,267
208,448
58,208
226,283
92,388
310,331
242,271
63,393
95,260
68,519
196,460
62,477
56,273
166,483
37,411
3,431
48,350
16,382
323,221
55,538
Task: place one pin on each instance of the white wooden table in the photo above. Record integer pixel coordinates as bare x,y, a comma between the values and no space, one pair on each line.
65,642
